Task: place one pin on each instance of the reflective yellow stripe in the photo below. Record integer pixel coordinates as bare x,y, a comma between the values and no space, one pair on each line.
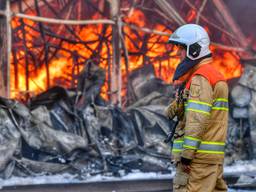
191,142
177,146
212,143
178,141
212,152
176,150
192,138
199,111
199,102
198,106
220,108
221,99
212,146
189,147
220,104
207,147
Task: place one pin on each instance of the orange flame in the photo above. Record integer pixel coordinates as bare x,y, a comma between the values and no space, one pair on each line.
63,65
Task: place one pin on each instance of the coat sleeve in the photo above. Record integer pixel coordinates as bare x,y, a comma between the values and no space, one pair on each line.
197,114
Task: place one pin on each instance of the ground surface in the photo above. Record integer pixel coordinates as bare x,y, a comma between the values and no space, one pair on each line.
135,181
117,186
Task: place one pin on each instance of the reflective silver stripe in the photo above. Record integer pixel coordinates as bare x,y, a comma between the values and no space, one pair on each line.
207,147
198,106
211,147
220,104
177,146
191,143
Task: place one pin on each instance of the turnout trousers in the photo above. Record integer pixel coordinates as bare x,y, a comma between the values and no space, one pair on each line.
202,178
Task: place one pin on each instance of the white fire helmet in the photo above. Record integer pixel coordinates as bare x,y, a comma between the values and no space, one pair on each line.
194,38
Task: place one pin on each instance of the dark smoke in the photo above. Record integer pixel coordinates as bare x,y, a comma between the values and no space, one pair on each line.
244,14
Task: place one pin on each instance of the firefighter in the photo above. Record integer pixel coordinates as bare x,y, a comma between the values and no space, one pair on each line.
199,139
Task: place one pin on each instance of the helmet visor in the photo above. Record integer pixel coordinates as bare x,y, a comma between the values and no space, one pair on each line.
178,43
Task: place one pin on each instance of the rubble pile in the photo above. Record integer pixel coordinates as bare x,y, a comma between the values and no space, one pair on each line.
242,130
75,131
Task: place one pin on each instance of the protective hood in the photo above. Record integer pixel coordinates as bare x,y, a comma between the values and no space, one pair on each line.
186,65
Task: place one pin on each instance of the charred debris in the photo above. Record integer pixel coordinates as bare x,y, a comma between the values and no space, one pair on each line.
76,131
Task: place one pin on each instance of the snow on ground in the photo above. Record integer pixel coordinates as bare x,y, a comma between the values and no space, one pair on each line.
238,168
68,178
241,167
63,178
135,175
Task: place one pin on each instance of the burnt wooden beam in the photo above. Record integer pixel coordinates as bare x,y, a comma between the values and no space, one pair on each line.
5,47
146,30
126,59
46,49
26,52
26,4
116,76
170,11
16,70
200,11
162,33
63,21
108,69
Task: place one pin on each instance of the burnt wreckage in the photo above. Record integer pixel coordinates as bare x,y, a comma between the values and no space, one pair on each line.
60,131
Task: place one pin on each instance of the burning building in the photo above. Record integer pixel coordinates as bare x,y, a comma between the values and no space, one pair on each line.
58,56
49,49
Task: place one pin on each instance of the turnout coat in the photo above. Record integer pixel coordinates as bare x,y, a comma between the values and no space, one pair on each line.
201,133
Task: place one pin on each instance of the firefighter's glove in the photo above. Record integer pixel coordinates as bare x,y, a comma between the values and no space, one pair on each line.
174,109
185,163
180,111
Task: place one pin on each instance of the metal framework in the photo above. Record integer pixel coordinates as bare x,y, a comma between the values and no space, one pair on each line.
51,41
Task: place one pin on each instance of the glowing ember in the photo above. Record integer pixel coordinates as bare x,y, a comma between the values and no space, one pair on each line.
191,15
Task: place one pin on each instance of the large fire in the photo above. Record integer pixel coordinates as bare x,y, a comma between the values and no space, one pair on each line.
64,66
